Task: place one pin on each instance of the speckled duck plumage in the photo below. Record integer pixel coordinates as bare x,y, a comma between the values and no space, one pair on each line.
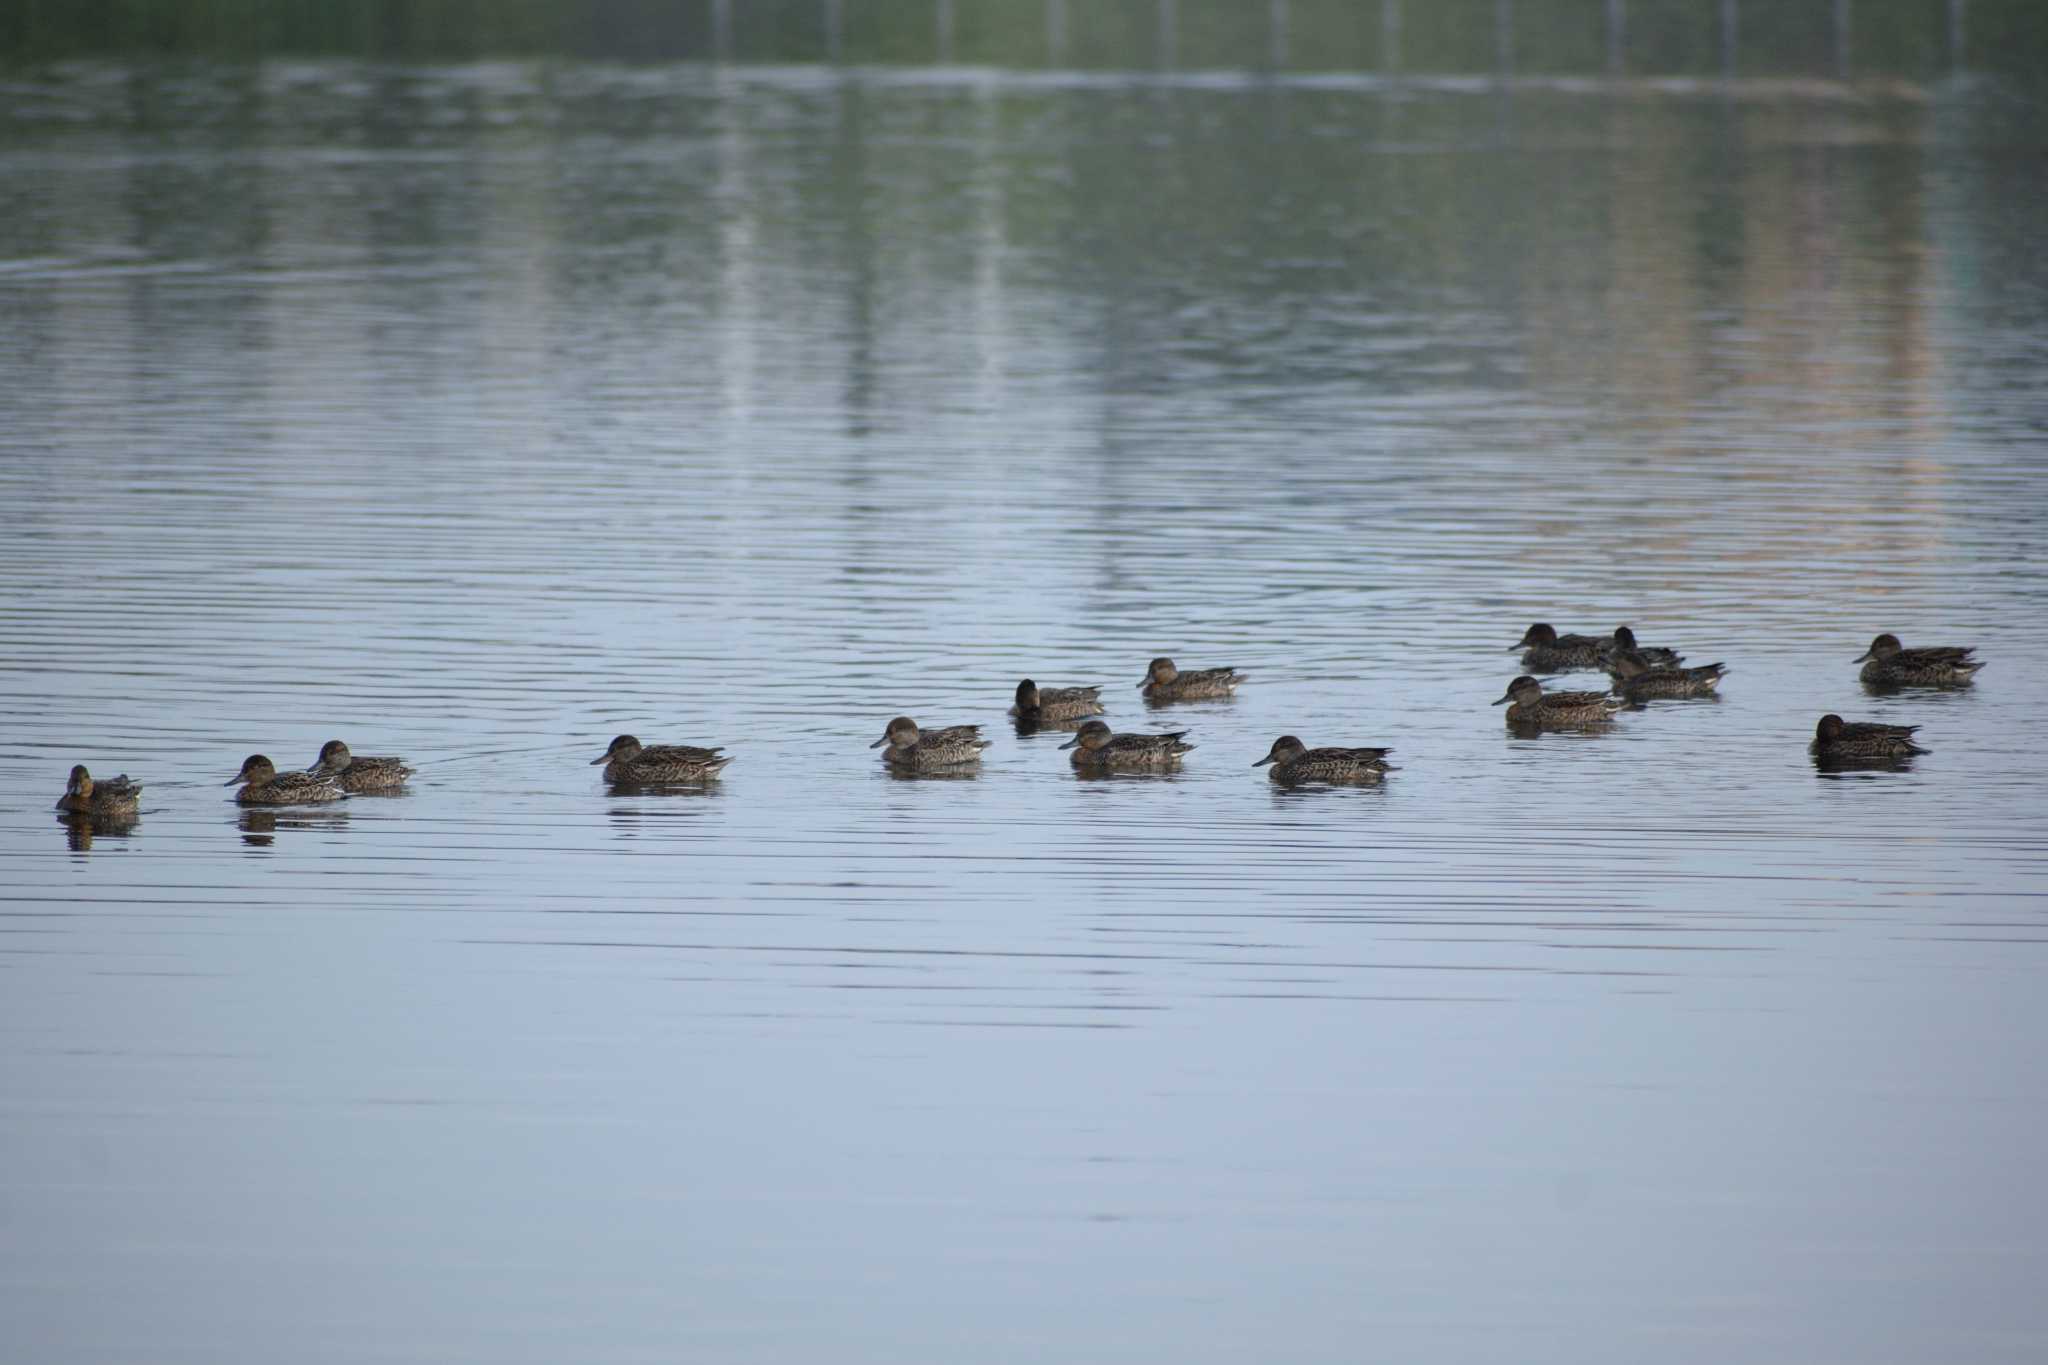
1623,641
1294,762
912,749
1637,679
1164,681
1887,663
1533,708
628,762
263,785
1096,746
1838,740
109,798
356,772
1037,705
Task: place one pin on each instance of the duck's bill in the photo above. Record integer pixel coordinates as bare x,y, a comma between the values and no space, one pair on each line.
1860,657
601,758
1264,761
232,781
879,743
1503,701
1144,682
1073,743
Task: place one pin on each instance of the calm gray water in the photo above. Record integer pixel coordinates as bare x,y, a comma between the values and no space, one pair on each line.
479,414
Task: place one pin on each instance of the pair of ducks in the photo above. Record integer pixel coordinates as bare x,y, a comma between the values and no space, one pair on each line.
1888,665
336,775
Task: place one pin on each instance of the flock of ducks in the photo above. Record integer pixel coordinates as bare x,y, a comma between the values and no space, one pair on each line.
1639,673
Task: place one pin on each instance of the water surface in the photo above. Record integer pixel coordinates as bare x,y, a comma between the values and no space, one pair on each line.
478,414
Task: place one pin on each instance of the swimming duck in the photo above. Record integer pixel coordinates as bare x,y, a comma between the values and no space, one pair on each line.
1545,651
264,785
1535,708
1638,679
1096,747
112,798
1294,762
1164,682
1050,705
914,750
626,762
1893,665
353,774
1623,641
1838,740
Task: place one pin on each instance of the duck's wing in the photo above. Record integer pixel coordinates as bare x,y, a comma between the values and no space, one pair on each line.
1935,656
1147,743
951,734
1067,696
1870,729
677,753
1578,698
1348,756
116,786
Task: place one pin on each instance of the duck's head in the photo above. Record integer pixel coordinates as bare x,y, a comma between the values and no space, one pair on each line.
334,756
1091,736
901,734
1538,634
623,749
1624,638
1883,647
1161,671
1027,695
1284,749
1521,691
1629,664
255,768
80,783
1829,729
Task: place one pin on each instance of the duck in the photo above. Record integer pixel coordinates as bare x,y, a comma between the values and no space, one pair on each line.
112,798
1537,709
1638,680
1050,705
1851,740
1545,651
354,774
627,762
914,750
1097,747
263,785
1623,641
1165,682
1295,762
1891,664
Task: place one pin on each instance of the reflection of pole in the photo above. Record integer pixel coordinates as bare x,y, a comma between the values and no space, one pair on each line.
1842,38
1731,34
1504,36
1276,34
1055,32
1617,29
943,22
835,24
1167,16
721,29
1955,33
1390,34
